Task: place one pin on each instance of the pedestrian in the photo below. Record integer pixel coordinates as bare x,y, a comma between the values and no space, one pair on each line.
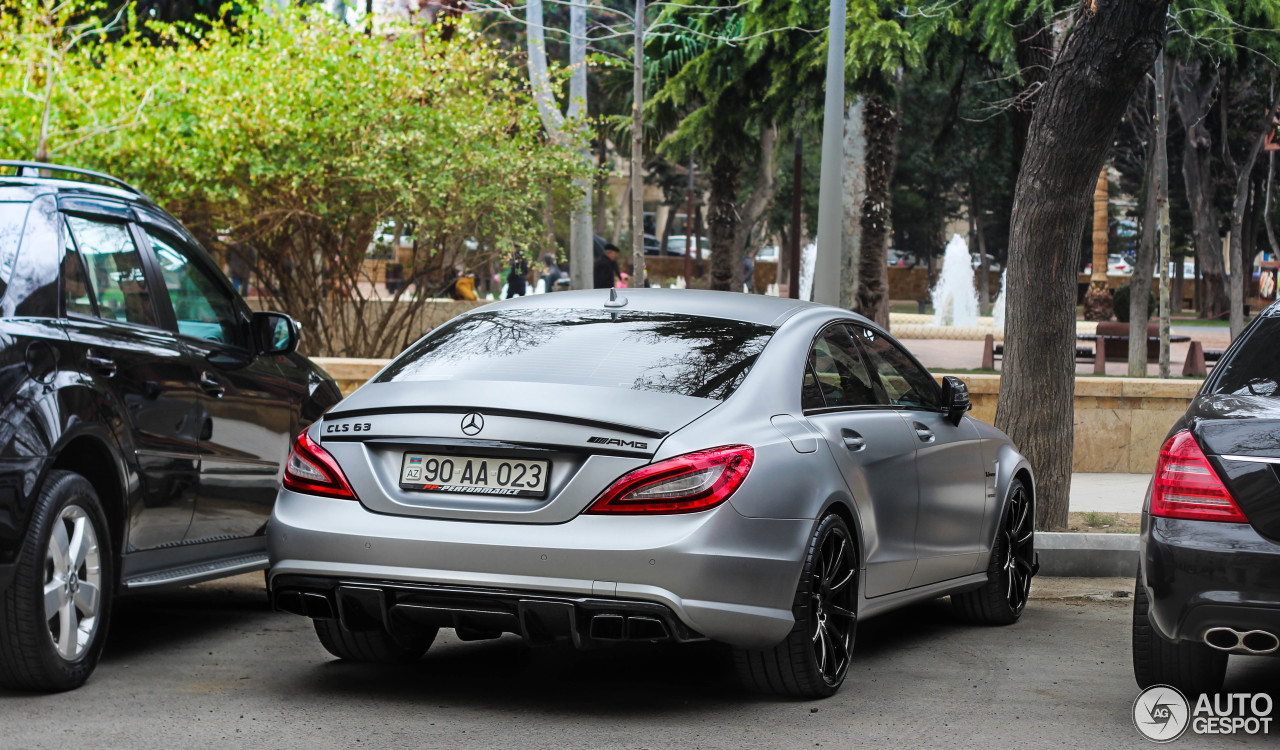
606,268
239,260
517,283
748,273
551,273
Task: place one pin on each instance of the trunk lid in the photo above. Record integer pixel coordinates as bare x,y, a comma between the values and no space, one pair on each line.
588,436
1241,436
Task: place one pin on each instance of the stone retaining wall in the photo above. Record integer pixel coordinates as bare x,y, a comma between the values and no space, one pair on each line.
1120,423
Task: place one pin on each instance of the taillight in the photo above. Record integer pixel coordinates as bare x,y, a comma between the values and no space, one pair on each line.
692,482
312,470
1187,487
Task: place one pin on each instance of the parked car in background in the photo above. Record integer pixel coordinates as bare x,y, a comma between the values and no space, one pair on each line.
757,471
1209,582
147,415
676,245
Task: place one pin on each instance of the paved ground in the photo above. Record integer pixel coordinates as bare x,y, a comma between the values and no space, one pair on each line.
212,667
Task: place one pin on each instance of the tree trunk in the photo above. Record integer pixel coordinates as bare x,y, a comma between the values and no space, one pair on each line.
980,242
761,198
581,253
1109,50
1140,281
722,220
882,149
1193,99
855,192
1034,52
1097,301
1242,266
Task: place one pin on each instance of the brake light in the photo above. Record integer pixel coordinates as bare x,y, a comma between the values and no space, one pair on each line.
312,470
692,482
1187,487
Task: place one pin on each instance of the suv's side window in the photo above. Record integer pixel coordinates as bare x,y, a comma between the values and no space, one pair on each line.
115,270
837,372
905,382
79,296
204,308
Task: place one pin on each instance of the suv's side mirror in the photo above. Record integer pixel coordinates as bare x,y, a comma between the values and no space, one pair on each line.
274,333
955,399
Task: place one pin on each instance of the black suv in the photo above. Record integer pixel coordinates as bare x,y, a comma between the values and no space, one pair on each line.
1209,583
145,414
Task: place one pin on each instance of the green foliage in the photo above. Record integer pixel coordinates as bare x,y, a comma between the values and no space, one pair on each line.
299,137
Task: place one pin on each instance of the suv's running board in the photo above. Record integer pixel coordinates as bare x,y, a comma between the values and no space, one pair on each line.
197,573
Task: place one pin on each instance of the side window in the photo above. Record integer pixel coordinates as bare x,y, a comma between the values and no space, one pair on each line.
905,382
76,283
204,307
115,270
839,372
810,393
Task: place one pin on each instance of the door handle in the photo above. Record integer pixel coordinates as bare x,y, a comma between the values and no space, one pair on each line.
104,366
852,440
924,433
211,386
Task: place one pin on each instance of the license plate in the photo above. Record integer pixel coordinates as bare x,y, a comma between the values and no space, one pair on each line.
426,472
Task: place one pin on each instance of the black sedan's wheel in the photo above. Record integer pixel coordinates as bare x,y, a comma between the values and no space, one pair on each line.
53,618
375,646
1004,596
813,660
1193,668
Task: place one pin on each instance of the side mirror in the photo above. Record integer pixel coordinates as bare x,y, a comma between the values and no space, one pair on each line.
274,333
955,399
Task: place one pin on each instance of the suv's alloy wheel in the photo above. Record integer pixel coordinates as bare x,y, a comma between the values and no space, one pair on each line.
53,618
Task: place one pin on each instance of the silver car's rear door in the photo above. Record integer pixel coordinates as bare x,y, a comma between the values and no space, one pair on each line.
875,451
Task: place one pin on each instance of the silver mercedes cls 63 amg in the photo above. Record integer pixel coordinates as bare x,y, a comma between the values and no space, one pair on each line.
672,465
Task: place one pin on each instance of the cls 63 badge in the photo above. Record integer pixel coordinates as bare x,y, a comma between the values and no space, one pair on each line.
334,428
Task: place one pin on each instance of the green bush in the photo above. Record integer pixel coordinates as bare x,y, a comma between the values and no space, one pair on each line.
1120,304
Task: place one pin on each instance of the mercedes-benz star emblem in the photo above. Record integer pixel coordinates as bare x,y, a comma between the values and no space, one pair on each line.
472,423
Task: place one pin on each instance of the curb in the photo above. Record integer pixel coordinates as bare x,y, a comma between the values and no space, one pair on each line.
1087,555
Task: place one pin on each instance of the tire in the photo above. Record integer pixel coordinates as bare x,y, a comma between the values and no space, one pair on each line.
67,551
812,661
1003,598
374,646
1193,668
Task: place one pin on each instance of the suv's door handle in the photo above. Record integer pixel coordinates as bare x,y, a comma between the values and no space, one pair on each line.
852,440
104,366
924,433
211,386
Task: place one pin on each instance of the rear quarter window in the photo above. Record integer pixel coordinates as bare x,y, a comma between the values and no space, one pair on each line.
1253,369
31,289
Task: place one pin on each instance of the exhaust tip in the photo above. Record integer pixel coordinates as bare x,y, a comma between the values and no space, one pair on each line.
1260,642
1223,639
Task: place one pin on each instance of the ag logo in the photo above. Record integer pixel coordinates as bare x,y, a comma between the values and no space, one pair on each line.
1161,713
472,423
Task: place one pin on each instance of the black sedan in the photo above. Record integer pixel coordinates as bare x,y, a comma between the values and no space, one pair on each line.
145,415
1209,582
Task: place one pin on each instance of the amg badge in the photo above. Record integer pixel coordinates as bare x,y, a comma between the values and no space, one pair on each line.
637,444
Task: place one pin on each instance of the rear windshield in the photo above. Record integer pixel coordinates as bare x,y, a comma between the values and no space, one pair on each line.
1254,368
12,217
662,352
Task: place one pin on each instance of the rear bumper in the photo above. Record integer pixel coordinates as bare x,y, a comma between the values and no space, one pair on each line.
478,613
1204,574
716,574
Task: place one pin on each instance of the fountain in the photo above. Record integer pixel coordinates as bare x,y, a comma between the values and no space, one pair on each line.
954,301
997,310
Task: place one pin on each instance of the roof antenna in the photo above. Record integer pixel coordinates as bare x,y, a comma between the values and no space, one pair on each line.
614,299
